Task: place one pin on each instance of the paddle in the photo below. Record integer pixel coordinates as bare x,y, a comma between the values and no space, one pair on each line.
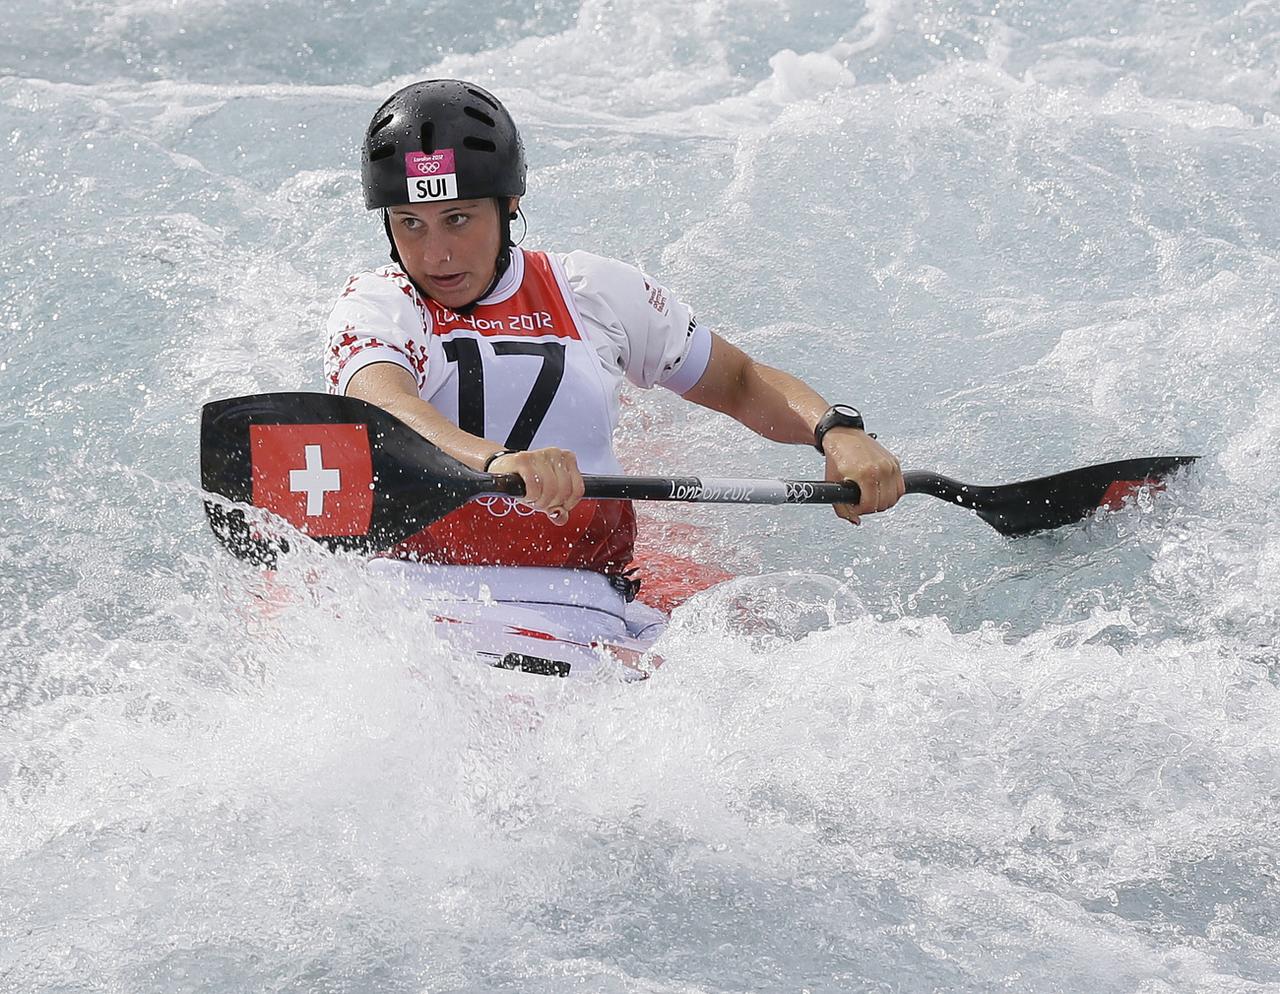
353,477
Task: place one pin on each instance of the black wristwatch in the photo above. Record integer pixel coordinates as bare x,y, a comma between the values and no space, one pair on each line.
496,456
837,416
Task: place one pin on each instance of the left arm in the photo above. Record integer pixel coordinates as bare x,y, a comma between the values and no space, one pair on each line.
784,409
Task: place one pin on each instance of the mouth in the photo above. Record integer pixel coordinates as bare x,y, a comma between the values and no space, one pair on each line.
449,281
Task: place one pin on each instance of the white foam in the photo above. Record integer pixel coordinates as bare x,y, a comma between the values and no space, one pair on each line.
1019,237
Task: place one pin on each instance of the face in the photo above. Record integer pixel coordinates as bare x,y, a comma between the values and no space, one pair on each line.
450,248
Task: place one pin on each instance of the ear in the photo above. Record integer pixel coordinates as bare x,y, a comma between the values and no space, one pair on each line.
513,208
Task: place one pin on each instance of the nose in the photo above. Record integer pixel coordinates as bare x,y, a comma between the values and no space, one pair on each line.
427,249
434,252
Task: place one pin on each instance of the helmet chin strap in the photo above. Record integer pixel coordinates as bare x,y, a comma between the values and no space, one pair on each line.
386,226
501,264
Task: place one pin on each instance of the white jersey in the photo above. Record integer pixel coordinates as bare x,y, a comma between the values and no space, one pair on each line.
632,328
540,361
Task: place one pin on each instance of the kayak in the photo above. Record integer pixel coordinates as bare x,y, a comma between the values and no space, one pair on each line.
544,621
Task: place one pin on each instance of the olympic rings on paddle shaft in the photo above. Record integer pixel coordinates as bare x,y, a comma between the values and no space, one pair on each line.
500,507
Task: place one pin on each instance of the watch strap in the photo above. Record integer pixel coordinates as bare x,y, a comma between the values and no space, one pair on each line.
501,452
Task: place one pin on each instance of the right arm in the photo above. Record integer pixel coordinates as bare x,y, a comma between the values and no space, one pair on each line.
392,388
552,481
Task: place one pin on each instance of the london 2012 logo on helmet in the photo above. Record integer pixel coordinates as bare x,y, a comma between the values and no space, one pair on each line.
431,176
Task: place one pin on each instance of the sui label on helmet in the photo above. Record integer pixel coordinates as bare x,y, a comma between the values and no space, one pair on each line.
431,176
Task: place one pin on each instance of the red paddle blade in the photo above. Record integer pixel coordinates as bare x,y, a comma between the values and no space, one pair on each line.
342,471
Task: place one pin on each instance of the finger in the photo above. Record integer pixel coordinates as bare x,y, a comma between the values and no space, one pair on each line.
534,481
560,485
894,488
575,475
894,485
535,486
869,497
848,513
885,495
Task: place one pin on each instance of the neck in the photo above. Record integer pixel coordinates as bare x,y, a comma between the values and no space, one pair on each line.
499,270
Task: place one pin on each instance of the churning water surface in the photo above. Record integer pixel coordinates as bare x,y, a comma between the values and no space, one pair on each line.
915,756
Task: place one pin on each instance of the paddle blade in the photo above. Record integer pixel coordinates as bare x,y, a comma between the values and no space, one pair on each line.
342,471
1053,501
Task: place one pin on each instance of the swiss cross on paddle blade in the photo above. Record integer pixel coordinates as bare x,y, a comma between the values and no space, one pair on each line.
340,470
319,478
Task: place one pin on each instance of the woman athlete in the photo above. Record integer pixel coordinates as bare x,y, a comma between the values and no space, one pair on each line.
512,361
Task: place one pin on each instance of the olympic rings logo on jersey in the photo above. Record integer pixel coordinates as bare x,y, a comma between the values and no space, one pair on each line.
501,507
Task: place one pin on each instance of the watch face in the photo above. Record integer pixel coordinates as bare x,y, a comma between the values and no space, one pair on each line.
837,416
844,416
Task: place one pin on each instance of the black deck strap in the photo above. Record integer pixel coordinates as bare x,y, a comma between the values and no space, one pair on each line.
533,664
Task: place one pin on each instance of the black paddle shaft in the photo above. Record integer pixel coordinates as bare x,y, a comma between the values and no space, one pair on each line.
351,476
698,490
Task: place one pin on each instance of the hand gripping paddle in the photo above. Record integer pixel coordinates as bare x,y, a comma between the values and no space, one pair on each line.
353,477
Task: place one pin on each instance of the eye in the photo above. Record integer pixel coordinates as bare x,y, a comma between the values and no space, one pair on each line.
409,222
457,220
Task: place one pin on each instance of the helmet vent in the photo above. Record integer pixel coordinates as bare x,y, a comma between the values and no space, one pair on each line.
381,152
427,133
479,95
480,116
479,144
380,124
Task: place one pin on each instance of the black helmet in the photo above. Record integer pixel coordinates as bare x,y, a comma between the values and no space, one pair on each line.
441,139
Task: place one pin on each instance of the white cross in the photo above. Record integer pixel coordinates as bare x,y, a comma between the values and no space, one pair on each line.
315,481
